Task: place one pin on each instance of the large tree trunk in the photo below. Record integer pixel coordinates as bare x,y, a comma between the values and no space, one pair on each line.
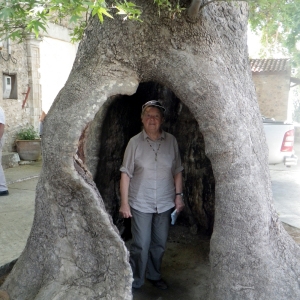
74,248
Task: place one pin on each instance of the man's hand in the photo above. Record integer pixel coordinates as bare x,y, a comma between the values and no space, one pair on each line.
125,211
179,204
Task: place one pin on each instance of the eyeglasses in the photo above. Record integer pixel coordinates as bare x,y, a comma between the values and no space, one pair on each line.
153,103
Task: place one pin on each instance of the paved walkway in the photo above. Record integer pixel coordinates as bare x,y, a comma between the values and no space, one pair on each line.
286,191
17,210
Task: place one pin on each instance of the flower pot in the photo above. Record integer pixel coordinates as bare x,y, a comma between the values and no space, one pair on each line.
29,149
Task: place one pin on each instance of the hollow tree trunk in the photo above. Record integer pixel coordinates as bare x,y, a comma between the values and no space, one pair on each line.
74,248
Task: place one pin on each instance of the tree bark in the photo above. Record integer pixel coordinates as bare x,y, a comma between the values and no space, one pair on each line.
74,248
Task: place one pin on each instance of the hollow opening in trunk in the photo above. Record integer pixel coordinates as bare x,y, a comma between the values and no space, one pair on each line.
118,121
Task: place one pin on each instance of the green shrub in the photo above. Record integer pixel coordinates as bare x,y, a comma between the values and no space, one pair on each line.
28,133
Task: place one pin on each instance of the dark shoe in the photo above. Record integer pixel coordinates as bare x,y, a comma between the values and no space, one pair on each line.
160,284
4,193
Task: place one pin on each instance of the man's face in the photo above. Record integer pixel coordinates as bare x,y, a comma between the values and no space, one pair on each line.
152,119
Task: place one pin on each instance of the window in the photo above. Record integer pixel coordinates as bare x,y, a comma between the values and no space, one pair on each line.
9,84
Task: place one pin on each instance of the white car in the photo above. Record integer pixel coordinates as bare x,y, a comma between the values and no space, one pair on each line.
280,140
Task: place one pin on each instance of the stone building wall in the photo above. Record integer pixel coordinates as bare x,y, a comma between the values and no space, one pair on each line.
273,92
271,78
41,64
15,65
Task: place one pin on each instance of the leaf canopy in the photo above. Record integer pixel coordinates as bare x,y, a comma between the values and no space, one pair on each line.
278,23
20,18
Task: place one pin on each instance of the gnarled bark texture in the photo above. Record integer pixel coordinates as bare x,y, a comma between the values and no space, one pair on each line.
107,135
74,250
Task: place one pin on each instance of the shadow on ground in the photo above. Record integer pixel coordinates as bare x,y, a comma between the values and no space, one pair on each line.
186,267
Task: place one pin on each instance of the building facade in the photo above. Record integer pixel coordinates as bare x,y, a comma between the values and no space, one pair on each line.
271,78
33,72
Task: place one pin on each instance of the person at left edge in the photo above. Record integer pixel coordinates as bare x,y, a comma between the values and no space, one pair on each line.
3,186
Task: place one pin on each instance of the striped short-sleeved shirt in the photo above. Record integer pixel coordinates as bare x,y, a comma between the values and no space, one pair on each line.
151,187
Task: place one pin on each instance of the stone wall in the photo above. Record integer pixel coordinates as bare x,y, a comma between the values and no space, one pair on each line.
43,65
16,65
272,89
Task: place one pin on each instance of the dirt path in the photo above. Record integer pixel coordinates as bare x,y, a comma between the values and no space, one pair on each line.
186,267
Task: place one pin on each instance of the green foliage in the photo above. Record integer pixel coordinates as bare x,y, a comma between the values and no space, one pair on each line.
129,11
278,21
27,133
78,31
20,18
166,5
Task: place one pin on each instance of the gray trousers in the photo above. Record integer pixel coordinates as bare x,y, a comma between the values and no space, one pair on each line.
149,238
3,186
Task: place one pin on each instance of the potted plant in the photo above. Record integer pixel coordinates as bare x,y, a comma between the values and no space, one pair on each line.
28,143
